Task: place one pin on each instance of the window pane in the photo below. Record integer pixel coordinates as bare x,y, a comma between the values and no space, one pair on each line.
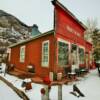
74,53
45,54
81,55
22,54
62,53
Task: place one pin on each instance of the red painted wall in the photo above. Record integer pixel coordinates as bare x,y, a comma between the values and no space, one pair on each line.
67,27
34,55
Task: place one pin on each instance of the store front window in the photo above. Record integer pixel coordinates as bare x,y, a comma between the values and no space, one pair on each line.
81,55
74,54
63,53
45,53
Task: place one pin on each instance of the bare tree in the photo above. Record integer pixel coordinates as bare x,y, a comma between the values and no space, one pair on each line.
92,34
91,26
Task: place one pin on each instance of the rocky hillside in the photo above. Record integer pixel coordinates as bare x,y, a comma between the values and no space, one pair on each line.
9,22
12,30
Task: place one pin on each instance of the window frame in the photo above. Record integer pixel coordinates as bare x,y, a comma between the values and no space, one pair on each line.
81,47
45,64
9,54
22,59
76,60
66,42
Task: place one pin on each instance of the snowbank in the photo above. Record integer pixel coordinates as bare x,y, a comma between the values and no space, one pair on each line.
89,85
7,93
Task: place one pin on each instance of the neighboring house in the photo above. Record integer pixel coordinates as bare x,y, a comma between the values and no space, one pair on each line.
64,46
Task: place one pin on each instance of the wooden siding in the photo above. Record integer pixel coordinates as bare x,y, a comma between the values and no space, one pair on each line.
33,55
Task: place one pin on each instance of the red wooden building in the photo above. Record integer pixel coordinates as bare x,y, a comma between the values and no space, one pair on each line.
64,46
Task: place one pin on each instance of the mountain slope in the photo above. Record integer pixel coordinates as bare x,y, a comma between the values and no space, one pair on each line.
12,30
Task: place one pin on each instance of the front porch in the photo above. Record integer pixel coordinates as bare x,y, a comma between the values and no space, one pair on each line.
64,79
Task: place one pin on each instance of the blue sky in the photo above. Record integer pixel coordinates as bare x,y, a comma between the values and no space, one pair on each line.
40,12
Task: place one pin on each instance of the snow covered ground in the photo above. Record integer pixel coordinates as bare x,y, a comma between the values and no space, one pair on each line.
6,93
89,86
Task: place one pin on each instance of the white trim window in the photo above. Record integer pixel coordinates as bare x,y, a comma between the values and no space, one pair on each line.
63,52
81,55
9,54
45,53
22,53
74,54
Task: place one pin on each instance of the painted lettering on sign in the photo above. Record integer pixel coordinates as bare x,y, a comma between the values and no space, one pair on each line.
71,30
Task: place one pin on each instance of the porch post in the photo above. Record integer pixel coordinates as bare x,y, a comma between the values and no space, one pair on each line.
47,92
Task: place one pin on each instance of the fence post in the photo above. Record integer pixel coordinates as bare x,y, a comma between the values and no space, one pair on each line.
59,92
46,89
45,93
